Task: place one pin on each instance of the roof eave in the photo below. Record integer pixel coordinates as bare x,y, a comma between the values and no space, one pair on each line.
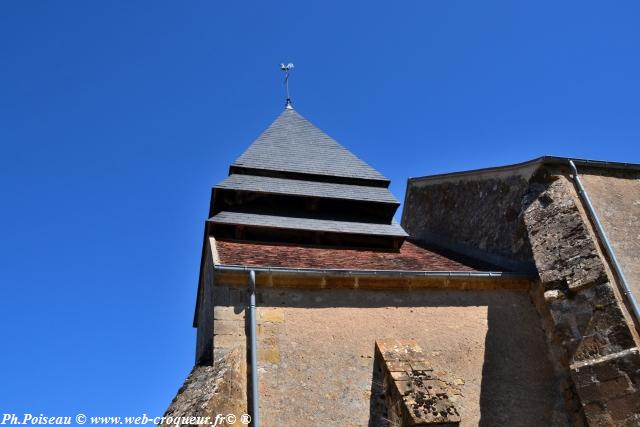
311,278
544,160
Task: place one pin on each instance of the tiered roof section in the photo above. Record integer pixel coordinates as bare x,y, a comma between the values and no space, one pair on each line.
295,184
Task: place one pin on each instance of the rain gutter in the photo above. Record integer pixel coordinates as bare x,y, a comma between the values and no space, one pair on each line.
224,268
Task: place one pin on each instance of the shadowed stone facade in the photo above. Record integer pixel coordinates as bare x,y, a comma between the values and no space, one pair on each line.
563,249
591,334
456,213
588,319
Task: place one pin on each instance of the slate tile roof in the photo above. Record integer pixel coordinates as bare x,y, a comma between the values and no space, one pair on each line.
292,223
295,177
409,257
293,144
263,184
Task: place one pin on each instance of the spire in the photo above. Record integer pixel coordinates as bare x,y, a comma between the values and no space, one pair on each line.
296,184
293,145
286,69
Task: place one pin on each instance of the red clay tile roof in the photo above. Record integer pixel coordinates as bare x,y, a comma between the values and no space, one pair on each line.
410,257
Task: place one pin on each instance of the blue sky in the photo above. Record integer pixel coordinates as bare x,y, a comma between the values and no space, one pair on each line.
117,117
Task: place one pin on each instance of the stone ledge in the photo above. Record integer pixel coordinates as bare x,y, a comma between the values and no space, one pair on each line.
609,388
415,394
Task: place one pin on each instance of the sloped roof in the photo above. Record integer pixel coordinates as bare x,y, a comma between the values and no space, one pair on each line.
263,184
293,144
313,224
409,257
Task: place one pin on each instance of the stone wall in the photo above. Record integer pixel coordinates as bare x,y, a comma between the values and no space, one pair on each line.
316,352
588,320
316,345
477,215
616,199
591,335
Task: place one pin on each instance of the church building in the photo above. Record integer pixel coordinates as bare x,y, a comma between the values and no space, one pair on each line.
505,297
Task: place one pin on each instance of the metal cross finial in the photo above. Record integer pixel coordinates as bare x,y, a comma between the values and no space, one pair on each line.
287,68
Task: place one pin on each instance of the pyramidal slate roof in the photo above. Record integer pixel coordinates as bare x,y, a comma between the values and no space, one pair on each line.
297,184
264,184
293,144
322,225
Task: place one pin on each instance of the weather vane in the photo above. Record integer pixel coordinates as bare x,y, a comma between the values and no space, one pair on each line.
286,68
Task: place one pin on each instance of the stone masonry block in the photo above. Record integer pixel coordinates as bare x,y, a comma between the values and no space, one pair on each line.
228,341
228,327
221,295
616,387
607,390
274,315
563,250
625,408
227,313
270,354
590,323
630,365
597,415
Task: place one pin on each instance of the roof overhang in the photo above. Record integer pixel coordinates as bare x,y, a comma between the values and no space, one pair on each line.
530,164
309,278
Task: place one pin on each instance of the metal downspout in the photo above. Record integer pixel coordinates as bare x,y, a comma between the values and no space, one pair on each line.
255,406
626,290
